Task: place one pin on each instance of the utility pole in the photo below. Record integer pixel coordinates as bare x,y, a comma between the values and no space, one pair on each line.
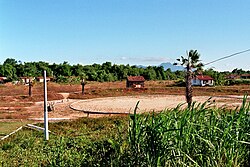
46,123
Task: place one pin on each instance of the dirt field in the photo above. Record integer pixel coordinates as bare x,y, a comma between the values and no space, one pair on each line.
15,104
147,103
122,104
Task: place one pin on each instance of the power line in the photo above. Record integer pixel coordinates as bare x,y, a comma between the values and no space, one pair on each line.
225,57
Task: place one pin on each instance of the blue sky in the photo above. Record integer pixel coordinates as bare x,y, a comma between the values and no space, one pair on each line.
146,32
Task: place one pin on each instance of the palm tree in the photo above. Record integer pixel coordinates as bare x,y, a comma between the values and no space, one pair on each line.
191,62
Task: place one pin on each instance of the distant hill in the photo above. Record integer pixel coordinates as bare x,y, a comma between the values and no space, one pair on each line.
171,66
141,66
166,66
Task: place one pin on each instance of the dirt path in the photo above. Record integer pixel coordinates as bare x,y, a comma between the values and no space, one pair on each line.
62,110
65,95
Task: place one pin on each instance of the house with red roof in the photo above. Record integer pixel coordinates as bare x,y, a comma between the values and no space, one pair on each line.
233,76
238,76
245,76
135,82
202,80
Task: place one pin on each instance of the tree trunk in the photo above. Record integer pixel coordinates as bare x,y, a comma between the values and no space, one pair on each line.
189,89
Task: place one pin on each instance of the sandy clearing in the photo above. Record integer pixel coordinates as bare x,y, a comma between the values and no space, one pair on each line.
122,104
147,103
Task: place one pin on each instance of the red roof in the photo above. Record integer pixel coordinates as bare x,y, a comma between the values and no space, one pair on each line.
3,78
245,75
232,76
135,78
204,77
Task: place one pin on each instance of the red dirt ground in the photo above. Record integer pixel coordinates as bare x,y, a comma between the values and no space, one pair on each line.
16,104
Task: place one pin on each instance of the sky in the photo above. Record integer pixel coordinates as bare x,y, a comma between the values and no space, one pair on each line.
135,32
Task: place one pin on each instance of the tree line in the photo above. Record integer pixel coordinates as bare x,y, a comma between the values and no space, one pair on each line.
64,72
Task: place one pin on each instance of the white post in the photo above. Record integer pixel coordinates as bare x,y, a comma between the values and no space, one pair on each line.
46,123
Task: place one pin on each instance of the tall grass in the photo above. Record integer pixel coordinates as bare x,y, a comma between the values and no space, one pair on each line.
200,135
195,136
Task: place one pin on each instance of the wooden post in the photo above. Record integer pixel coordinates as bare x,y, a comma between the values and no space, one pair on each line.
46,123
30,88
83,84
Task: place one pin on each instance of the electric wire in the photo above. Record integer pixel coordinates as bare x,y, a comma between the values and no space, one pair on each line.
225,57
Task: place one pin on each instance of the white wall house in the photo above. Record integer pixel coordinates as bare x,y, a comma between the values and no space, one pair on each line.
202,80
26,80
2,79
40,79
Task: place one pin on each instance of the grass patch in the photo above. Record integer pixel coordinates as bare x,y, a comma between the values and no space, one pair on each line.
8,127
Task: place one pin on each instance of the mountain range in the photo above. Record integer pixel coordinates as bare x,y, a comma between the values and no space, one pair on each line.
166,66
171,66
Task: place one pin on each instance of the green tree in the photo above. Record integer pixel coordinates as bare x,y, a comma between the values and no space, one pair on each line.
191,62
238,71
10,61
63,69
77,70
92,75
20,70
9,69
41,66
179,74
107,67
10,72
30,69
1,70
134,71
149,73
170,75
161,75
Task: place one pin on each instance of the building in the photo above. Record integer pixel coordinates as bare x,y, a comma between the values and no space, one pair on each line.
135,82
245,76
236,76
40,79
2,79
202,80
232,76
26,80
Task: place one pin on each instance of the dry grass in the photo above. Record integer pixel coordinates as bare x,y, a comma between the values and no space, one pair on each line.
15,102
93,88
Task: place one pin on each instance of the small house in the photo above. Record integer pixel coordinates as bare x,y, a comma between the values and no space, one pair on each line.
26,80
202,80
135,82
232,76
2,79
236,76
245,76
40,79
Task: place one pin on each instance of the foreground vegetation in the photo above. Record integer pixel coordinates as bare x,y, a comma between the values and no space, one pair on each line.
197,136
